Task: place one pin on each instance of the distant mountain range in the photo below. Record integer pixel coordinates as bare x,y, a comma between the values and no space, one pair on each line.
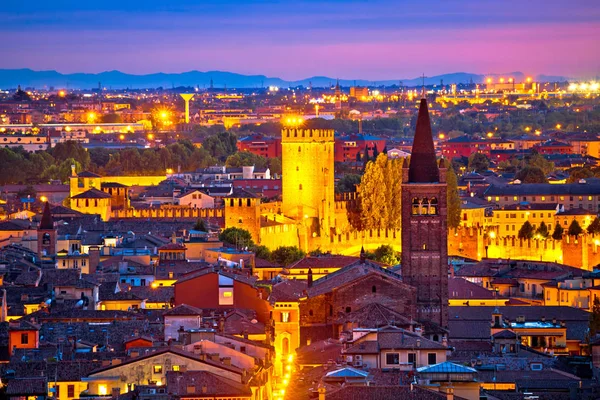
11,78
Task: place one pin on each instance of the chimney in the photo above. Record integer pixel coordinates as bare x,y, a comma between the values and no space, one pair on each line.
449,392
363,255
221,325
310,277
116,361
214,357
94,259
227,360
191,389
204,389
554,321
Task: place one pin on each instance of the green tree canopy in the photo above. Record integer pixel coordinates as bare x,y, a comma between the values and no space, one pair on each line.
558,232
539,161
237,237
221,145
526,231
531,175
71,150
575,229
386,254
542,230
594,227
262,252
478,162
201,225
348,183
285,255
380,194
577,174
453,200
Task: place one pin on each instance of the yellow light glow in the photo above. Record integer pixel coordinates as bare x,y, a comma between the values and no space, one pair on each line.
62,93
122,137
527,129
290,358
154,285
102,390
169,170
68,128
490,134
164,115
43,199
489,80
150,136
493,235
501,80
510,80
441,136
288,367
558,126
528,79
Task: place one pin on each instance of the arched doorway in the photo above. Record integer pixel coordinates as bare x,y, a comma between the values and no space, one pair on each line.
285,346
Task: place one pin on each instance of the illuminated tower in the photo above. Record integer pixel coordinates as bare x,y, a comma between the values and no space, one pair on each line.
308,185
424,225
46,234
187,97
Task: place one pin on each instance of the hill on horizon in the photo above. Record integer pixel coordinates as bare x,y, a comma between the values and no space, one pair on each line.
27,78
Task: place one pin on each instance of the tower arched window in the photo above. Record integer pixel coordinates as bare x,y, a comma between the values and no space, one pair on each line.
433,206
299,149
300,187
374,289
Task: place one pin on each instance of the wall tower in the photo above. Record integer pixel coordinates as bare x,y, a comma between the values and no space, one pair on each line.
424,225
46,234
308,182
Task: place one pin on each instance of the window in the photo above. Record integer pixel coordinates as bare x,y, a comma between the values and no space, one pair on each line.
431,358
412,358
102,390
176,368
71,391
24,338
285,317
225,291
374,289
157,369
57,391
392,358
310,312
348,309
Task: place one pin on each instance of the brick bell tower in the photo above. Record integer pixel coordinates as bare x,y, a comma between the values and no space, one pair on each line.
424,225
46,234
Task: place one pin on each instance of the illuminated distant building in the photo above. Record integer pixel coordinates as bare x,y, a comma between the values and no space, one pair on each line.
359,92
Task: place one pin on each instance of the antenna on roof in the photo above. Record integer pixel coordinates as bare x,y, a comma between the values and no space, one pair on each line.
423,77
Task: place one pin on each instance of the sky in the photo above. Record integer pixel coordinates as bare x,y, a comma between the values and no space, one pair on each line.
351,39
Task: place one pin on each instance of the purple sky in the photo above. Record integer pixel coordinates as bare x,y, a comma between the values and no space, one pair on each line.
353,39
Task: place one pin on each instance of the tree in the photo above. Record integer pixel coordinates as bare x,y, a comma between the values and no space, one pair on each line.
595,317
577,174
71,149
221,145
201,225
558,232
262,252
238,237
380,194
386,254
245,158
285,255
526,231
539,161
542,231
348,183
594,227
453,199
575,229
478,162
531,175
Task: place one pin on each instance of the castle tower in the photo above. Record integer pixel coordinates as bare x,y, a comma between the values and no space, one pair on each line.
46,234
308,185
424,225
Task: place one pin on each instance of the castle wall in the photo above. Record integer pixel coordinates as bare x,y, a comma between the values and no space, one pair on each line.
172,212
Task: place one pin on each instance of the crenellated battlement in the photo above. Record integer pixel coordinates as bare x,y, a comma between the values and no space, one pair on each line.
307,135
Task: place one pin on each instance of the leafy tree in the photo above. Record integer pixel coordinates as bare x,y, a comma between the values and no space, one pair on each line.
594,227
558,232
221,145
71,149
348,183
531,175
28,191
380,194
386,254
285,255
453,199
575,229
526,231
238,237
577,174
274,164
478,162
539,161
111,118
594,324
262,252
542,230
201,225
245,158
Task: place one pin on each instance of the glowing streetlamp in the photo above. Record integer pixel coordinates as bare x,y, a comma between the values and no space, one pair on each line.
91,117
558,126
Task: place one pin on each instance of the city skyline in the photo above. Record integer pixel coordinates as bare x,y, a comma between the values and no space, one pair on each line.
352,40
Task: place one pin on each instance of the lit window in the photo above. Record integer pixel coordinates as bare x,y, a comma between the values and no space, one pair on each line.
157,369
102,390
176,368
285,317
